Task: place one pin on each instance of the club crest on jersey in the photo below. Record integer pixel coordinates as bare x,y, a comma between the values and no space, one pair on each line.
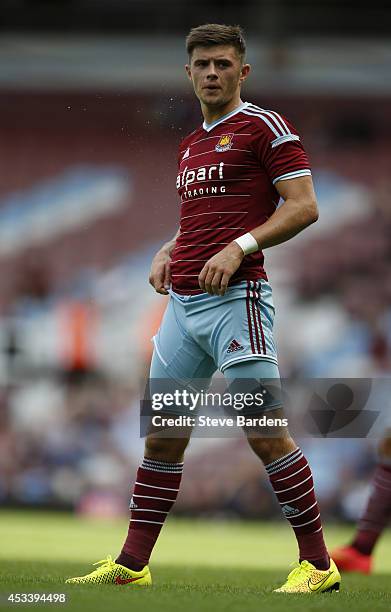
225,143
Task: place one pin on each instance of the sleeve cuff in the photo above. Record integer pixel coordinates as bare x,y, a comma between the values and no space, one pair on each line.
286,138
292,175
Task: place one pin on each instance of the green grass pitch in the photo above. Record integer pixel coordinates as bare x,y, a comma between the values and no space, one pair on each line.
197,566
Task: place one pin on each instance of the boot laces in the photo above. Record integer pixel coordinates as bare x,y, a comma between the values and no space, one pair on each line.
299,573
105,564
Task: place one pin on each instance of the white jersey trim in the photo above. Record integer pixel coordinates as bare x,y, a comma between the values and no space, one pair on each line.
274,128
272,119
176,260
218,212
184,246
292,175
212,229
276,124
281,139
210,127
275,117
214,196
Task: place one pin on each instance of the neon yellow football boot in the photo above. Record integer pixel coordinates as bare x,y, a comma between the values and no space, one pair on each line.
305,578
111,572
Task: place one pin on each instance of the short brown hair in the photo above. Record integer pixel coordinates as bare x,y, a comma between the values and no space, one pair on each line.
212,34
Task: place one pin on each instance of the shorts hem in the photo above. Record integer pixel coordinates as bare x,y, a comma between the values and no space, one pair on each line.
250,357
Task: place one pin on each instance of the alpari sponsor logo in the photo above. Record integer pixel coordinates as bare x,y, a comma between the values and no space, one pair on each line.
225,143
289,510
204,173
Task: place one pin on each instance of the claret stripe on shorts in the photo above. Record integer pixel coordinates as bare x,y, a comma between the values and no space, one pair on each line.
250,329
254,316
258,312
255,328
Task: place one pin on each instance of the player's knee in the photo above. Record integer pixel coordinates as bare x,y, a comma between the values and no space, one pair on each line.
270,449
165,449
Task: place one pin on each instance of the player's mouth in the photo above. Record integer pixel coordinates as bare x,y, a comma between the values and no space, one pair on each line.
211,87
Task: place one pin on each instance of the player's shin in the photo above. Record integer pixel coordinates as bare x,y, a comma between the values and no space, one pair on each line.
377,514
155,492
292,482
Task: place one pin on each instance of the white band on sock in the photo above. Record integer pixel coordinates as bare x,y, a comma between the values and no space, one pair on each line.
247,243
162,466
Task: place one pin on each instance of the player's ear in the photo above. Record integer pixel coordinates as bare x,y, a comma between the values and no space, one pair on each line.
244,72
188,71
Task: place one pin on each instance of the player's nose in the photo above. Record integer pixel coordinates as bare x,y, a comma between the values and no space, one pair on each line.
212,72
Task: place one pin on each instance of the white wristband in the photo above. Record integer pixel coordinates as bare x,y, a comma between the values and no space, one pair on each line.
247,243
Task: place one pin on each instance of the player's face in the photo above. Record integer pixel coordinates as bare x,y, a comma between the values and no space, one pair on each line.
217,74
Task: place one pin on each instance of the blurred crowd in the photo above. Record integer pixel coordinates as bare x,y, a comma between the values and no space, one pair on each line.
353,262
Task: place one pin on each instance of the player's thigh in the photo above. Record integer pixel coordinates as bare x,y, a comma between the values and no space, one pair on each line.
176,354
180,368
258,380
166,437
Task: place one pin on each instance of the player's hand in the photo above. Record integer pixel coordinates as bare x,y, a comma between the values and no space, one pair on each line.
160,276
214,276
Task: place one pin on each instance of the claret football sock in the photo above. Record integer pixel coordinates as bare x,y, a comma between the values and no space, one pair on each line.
377,513
291,479
155,491
130,562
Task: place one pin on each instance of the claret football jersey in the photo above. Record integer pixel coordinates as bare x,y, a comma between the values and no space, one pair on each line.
227,172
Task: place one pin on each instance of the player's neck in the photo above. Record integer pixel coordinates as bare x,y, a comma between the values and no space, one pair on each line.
212,114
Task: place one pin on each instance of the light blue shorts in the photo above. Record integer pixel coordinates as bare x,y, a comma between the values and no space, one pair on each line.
202,333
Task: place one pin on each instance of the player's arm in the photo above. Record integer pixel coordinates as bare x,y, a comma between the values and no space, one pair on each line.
160,276
297,212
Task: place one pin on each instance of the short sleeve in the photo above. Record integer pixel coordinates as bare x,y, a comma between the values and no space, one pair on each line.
278,148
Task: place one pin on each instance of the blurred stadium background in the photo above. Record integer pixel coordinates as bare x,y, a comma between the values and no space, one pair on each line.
93,95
